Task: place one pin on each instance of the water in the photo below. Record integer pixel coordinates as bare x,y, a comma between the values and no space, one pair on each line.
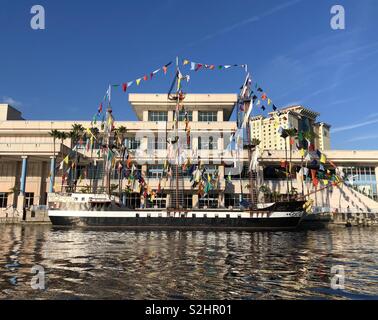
110,264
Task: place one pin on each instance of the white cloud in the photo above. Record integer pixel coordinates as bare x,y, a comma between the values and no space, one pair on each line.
355,126
361,138
247,21
11,101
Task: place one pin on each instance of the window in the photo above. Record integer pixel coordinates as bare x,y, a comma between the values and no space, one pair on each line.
233,199
277,173
207,143
159,201
3,199
210,202
29,199
132,200
81,171
157,143
240,169
207,116
188,201
155,171
157,116
131,143
363,180
182,115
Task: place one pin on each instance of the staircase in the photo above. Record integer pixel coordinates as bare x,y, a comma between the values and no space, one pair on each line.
255,192
177,188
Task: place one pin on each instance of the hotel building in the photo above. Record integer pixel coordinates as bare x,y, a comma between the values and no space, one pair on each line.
29,159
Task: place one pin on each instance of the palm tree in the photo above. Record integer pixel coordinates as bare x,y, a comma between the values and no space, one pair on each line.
76,134
265,190
308,136
62,136
96,134
255,142
292,134
120,133
55,135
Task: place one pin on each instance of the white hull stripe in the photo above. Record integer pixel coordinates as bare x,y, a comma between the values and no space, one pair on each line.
164,214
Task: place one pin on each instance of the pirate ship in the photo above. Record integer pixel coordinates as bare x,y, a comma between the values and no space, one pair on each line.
105,209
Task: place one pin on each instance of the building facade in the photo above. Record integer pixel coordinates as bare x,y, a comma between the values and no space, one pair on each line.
32,164
294,117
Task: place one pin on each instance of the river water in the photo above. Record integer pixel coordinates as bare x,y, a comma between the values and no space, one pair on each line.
116,264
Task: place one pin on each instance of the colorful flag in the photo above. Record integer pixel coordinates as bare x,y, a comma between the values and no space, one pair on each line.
199,66
138,81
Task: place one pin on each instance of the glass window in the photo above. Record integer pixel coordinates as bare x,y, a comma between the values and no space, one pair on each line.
182,115
3,199
157,116
233,199
240,169
132,143
363,180
209,202
155,171
132,200
29,199
159,201
207,116
207,143
188,201
157,143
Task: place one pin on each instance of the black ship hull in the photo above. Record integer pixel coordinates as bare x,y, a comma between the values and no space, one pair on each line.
288,223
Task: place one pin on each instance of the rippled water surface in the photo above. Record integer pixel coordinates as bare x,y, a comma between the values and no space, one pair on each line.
110,264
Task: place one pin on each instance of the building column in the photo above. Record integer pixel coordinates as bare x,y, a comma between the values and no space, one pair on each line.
221,200
23,175
195,202
195,116
220,116
52,174
145,116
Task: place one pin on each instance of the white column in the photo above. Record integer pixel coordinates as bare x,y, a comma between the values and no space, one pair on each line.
145,115
195,201
220,116
195,115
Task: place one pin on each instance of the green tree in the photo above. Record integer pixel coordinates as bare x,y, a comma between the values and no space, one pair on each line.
55,135
76,133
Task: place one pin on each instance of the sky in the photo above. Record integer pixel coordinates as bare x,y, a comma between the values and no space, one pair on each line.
62,72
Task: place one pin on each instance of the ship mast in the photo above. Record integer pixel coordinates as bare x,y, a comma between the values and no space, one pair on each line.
108,130
178,97
245,99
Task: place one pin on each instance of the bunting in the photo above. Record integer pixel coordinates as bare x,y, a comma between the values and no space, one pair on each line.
196,66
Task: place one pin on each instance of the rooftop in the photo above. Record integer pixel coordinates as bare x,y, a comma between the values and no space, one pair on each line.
160,102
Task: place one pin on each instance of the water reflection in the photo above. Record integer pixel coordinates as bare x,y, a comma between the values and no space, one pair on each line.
109,264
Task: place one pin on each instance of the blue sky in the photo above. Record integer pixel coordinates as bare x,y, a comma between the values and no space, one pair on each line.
62,72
